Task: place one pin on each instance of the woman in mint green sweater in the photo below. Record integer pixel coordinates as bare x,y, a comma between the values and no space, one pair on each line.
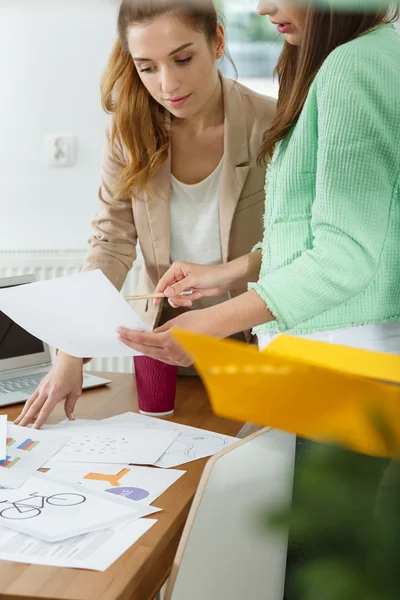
329,264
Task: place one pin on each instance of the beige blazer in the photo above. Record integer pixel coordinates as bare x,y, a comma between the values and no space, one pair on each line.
145,217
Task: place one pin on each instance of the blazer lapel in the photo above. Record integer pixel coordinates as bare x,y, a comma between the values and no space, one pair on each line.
234,173
158,211
236,160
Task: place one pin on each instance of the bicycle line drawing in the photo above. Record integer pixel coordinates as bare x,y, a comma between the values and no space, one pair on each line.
32,506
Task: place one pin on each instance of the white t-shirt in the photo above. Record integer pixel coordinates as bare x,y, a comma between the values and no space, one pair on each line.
195,231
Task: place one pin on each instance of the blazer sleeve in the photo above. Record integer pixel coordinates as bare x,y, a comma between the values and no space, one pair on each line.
356,169
112,247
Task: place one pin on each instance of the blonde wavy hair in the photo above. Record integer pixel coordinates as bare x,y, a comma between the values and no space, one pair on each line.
139,122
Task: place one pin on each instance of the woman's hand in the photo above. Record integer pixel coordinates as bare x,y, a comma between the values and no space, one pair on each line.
161,344
207,280
202,280
62,383
219,321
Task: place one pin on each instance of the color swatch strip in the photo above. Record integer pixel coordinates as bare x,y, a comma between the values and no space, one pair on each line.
10,441
8,463
28,445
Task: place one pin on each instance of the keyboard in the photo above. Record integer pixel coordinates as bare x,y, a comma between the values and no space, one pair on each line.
22,383
19,384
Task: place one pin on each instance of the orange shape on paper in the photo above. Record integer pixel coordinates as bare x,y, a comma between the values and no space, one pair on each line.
113,480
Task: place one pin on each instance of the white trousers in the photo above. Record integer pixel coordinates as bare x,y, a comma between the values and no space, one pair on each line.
382,337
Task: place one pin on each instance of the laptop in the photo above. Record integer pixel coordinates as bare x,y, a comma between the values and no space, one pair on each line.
25,360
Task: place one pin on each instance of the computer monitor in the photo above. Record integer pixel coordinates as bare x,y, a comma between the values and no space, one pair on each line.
18,348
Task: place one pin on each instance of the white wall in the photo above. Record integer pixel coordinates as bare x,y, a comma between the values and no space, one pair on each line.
52,54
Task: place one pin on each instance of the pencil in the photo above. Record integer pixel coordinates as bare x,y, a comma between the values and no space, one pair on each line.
152,296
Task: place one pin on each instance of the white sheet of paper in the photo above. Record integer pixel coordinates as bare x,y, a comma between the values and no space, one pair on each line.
95,551
87,467
192,443
140,484
3,437
116,445
53,510
27,451
66,424
78,314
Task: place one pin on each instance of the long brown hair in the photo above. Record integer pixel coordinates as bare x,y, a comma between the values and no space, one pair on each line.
139,122
297,66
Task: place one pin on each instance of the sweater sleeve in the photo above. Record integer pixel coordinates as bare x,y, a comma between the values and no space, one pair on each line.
355,176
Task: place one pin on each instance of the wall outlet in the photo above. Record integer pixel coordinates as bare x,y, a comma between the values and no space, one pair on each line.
60,149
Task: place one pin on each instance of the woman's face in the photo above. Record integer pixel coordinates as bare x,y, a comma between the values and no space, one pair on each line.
288,18
176,64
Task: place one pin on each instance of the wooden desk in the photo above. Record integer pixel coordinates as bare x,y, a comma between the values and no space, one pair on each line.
141,572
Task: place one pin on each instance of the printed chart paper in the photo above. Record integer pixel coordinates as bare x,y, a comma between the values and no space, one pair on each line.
192,443
140,484
95,551
26,451
78,314
116,445
54,510
3,437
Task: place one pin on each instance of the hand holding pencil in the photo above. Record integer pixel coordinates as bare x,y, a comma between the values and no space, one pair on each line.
184,283
157,295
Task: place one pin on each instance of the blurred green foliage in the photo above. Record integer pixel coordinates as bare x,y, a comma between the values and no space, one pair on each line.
246,25
344,527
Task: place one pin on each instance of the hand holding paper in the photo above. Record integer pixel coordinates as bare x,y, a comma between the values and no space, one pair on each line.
79,314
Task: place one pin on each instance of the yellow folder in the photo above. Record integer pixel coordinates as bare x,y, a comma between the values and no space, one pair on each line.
313,389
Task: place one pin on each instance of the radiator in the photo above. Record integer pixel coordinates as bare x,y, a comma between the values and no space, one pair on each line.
48,264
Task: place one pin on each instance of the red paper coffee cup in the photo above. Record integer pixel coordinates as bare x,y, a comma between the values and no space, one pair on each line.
156,386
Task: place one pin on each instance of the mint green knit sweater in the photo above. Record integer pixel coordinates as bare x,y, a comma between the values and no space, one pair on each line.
331,248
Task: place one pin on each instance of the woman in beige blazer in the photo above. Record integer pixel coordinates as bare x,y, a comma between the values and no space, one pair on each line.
183,142
145,216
